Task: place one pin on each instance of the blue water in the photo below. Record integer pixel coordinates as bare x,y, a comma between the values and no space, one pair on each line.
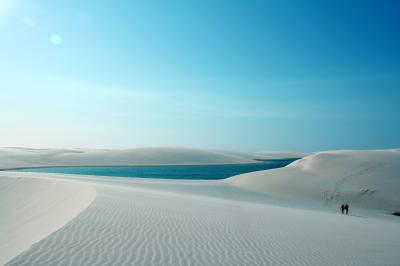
198,172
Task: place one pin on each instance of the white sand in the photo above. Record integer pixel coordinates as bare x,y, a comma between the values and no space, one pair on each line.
279,154
33,208
366,179
167,222
25,157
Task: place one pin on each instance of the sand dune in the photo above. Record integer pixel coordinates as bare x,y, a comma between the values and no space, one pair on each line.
25,157
157,222
193,222
280,154
367,179
33,208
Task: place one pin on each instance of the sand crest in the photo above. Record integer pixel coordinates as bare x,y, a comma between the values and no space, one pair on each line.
365,179
33,208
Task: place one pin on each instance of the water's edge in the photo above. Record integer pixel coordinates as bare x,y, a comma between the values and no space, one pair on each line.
197,172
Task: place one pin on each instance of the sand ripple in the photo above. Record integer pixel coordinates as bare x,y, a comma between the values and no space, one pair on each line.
131,226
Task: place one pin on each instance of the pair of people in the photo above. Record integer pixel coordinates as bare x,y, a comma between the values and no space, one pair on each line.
344,208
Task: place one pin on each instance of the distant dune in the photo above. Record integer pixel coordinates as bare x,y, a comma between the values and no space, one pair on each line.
367,179
26,157
280,154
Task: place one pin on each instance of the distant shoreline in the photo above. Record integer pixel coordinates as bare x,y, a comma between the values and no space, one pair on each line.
259,161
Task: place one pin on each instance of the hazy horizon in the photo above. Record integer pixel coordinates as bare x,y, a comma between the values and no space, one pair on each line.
265,75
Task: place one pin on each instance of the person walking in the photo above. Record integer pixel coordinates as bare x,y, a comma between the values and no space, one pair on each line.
342,208
346,209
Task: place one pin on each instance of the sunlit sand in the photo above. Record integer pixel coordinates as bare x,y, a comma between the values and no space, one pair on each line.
292,218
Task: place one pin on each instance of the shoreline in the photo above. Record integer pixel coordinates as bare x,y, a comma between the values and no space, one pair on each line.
261,162
153,165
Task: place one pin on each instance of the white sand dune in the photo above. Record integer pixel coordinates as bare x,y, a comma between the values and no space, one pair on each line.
367,179
178,222
33,208
153,222
25,157
279,154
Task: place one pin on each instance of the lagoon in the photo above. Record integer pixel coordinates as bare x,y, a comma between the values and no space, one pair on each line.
196,172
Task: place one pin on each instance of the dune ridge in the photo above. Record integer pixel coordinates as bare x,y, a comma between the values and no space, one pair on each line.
27,157
366,179
33,208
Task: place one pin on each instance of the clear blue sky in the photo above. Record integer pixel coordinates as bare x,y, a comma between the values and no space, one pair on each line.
239,75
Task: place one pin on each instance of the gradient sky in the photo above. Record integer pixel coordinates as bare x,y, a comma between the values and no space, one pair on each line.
238,75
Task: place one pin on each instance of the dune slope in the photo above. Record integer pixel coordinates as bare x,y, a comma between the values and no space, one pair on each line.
164,222
33,208
25,157
367,179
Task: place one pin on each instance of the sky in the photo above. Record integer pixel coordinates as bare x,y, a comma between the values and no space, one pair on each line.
237,75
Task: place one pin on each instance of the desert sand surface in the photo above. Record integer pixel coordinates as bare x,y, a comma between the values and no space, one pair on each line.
287,216
15,157
33,208
367,179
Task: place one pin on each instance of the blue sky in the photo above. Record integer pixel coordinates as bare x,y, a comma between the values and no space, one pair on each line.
246,75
